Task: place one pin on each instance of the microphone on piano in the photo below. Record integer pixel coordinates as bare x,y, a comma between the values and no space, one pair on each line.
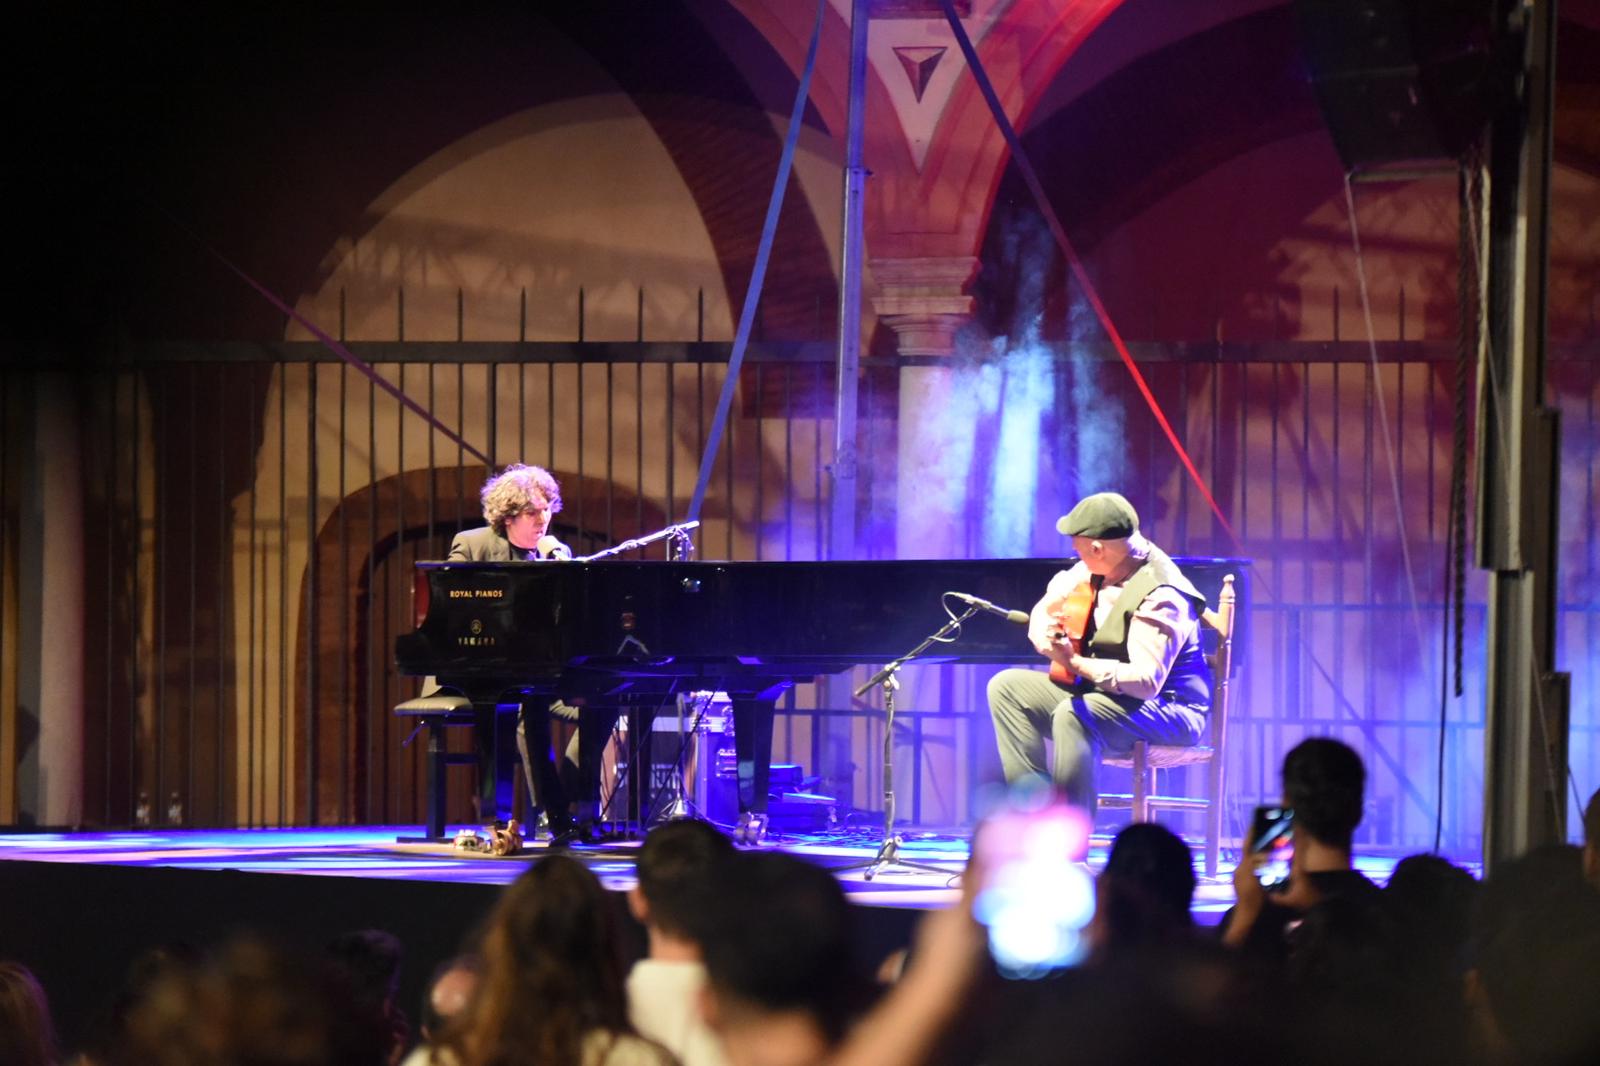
1019,617
551,548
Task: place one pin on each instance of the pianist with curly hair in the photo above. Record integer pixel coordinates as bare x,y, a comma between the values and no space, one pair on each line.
518,504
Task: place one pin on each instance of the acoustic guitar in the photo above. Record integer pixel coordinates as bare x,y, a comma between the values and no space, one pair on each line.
1071,619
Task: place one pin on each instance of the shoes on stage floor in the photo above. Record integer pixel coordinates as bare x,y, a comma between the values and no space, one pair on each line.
752,828
569,834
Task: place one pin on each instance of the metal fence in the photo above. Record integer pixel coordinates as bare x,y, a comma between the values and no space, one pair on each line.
254,512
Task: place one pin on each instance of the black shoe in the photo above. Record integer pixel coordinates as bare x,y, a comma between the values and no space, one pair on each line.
573,834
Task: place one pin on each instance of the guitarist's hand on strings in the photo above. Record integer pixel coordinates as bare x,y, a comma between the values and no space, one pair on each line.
1060,648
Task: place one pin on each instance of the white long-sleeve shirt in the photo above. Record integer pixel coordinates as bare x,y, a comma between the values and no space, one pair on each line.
1157,632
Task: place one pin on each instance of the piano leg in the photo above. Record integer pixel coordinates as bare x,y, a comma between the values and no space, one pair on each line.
752,743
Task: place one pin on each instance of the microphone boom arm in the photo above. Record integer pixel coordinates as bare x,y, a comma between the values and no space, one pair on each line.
679,532
938,637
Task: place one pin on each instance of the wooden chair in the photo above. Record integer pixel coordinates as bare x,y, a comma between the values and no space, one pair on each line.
1147,758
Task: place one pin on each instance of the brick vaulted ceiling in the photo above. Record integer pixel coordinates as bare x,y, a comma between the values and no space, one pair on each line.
268,136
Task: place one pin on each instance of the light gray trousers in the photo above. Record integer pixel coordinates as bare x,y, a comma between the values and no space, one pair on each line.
1027,707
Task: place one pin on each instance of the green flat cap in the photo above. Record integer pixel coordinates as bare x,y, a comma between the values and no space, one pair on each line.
1103,516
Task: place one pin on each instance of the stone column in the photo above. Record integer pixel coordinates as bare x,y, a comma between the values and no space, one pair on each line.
924,301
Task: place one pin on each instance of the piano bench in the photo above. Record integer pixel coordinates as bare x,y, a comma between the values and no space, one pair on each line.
436,713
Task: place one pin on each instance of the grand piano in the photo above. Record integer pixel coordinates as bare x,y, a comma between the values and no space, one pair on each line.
631,633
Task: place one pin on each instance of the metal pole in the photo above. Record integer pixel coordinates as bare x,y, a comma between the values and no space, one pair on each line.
1525,762
842,533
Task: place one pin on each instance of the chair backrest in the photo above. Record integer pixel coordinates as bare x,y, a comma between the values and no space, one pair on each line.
1221,621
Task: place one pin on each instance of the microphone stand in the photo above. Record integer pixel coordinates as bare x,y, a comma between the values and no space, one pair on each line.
889,850
682,547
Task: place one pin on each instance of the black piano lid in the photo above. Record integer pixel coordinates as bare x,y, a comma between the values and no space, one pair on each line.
681,618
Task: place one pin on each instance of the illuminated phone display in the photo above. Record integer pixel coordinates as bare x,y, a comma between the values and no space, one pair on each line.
1272,835
1036,898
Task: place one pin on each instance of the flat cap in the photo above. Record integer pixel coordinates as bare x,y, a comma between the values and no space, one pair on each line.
1103,516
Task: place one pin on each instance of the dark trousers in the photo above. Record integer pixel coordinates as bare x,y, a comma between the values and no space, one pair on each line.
561,795
494,736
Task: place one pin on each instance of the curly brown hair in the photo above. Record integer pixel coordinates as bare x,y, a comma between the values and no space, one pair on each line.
552,972
516,489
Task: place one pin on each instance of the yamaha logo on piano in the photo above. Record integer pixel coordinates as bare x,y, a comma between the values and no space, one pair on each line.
477,639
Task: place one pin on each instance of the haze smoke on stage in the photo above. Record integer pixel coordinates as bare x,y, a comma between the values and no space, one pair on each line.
1096,441
1022,393
1043,430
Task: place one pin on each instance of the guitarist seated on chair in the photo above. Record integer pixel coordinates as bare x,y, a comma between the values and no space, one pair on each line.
1121,629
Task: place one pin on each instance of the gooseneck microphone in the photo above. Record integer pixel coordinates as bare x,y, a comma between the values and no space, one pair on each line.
1019,617
551,548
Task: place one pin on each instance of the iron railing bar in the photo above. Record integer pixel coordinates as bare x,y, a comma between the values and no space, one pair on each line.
313,601
348,729
611,442
251,770
638,448
414,765
346,650
394,595
111,465
135,763
375,726
1370,394
818,507
285,705
223,580
492,421
727,471
580,442
161,450
188,800
788,460
761,480
1280,676
1336,476
671,442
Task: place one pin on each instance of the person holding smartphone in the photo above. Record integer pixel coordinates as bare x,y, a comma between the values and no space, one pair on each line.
1134,671
1324,783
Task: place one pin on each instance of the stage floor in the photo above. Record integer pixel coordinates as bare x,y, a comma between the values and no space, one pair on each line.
372,852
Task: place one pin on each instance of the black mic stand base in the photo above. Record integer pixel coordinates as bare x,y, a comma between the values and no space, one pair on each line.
889,855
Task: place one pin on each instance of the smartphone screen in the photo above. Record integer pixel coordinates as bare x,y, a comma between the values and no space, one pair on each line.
1272,835
1036,898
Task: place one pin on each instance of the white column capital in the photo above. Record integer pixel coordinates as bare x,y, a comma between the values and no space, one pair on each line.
924,300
